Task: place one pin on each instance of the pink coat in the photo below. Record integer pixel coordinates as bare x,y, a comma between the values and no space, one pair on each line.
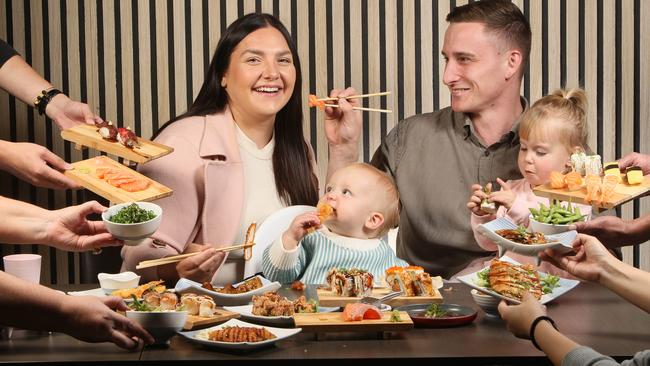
206,174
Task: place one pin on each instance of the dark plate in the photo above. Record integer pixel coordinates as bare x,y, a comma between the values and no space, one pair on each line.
456,315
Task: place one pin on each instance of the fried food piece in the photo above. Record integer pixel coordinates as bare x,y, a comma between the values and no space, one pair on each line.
139,291
514,280
298,286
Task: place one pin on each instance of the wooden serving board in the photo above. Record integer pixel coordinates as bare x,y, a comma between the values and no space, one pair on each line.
327,297
84,174
333,322
622,193
87,135
220,316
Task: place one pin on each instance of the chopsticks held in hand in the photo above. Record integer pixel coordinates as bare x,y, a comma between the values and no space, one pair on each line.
314,101
178,258
247,247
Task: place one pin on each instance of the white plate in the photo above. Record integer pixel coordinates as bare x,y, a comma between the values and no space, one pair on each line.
280,333
98,292
246,312
272,228
565,285
561,242
184,285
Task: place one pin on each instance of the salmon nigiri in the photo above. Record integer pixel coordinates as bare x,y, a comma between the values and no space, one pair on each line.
357,311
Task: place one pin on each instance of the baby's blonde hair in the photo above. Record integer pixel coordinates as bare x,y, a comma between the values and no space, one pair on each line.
388,197
568,106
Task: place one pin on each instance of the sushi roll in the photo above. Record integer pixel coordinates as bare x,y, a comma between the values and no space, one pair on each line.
350,283
593,165
107,130
168,301
191,303
634,175
578,162
486,205
151,298
393,278
206,307
126,137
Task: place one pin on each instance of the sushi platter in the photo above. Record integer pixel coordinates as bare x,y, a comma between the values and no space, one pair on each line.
88,136
220,316
139,188
623,193
334,322
327,297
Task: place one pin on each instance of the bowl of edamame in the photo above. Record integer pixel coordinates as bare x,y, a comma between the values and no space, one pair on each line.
556,218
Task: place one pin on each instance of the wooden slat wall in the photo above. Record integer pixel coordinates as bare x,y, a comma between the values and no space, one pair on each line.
141,62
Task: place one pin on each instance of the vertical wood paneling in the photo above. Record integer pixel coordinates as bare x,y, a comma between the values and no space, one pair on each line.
142,62
644,109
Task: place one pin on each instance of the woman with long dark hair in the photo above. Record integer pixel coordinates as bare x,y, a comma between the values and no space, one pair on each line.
239,153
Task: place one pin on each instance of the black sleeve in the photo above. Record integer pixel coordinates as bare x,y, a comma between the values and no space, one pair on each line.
6,52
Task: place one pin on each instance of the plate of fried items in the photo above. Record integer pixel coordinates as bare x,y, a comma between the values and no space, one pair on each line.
507,279
273,309
516,238
237,294
239,335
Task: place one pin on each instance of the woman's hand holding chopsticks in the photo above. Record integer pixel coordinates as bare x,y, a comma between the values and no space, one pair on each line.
202,266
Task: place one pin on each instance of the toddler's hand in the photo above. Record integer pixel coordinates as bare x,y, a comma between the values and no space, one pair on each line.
505,197
474,204
299,228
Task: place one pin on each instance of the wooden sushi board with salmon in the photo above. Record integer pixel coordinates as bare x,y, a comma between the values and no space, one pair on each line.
334,322
220,316
327,297
623,193
87,135
127,185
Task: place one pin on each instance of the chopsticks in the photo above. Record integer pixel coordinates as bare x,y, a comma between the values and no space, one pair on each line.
362,108
358,96
180,257
314,101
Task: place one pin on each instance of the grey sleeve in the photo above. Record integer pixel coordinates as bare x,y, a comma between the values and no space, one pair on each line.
387,155
585,356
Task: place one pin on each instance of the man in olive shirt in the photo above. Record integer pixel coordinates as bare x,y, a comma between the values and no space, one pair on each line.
436,157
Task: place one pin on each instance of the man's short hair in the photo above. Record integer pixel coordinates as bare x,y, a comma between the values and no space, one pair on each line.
501,18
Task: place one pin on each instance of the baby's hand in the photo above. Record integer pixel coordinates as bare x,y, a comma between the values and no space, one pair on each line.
474,204
505,197
300,226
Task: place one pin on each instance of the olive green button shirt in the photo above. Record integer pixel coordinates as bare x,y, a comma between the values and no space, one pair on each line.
435,158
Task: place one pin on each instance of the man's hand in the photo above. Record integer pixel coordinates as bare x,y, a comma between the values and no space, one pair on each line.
35,165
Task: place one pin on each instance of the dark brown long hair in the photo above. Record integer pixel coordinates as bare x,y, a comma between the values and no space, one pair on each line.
294,177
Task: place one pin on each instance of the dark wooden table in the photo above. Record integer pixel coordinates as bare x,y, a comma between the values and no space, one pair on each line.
589,314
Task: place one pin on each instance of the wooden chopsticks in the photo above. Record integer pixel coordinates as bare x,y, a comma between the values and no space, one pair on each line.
358,96
180,257
247,247
314,101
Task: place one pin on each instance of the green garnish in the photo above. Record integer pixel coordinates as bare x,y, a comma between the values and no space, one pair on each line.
138,305
395,317
483,278
549,283
433,311
132,214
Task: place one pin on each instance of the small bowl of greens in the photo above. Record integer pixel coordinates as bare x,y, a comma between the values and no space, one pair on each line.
132,221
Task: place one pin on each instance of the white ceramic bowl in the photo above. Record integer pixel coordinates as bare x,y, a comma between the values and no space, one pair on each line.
548,229
110,282
162,325
133,232
488,303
